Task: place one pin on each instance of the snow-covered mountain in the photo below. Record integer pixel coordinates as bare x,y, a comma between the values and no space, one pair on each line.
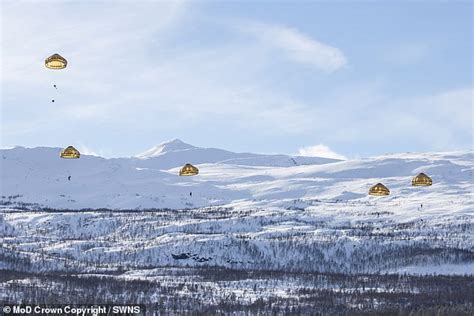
147,181
38,176
315,217
176,153
166,147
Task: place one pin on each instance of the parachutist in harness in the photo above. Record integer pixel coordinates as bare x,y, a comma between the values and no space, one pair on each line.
190,193
69,178
57,62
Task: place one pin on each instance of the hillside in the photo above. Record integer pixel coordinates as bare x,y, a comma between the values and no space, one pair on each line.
148,180
315,217
38,176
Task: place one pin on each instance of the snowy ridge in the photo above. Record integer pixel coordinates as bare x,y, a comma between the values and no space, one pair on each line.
165,147
176,153
39,176
315,217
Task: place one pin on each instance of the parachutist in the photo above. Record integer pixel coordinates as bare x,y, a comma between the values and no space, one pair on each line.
52,101
190,193
69,178
55,86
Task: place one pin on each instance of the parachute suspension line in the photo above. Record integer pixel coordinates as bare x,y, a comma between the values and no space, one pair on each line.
52,78
54,86
55,62
58,62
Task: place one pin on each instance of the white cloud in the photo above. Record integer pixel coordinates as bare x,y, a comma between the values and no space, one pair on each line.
298,46
83,149
128,81
117,72
320,151
367,116
437,120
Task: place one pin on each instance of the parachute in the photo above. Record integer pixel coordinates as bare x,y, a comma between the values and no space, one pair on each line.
421,180
70,153
55,61
188,170
379,190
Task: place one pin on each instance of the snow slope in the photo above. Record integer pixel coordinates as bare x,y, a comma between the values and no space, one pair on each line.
314,217
38,175
176,153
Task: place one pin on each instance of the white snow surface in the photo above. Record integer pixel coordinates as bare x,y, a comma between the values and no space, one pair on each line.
38,175
246,211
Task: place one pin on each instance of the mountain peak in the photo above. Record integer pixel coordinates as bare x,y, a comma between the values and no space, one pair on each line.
174,141
165,147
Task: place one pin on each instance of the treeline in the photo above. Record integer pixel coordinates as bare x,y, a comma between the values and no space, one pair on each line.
224,291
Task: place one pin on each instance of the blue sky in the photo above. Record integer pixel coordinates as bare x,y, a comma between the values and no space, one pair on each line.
319,78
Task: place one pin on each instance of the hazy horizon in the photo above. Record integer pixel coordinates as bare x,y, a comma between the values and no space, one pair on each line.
321,152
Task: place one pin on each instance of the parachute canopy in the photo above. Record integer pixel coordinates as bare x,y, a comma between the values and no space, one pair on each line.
421,180
70,153
55,61
379,189
188,170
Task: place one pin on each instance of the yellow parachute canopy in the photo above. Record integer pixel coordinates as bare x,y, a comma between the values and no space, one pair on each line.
70,153
421,180
55,61
188,170
379,190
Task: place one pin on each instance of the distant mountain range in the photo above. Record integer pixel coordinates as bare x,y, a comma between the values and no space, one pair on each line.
176,153
38,178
